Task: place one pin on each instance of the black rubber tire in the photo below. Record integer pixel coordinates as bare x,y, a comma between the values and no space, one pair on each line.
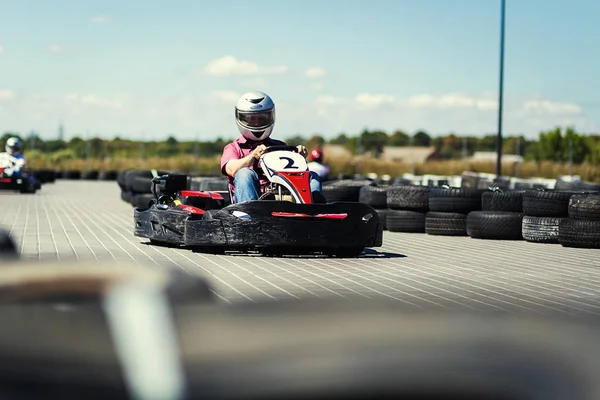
121,179
141,184
107,175
126,196
408,197
455,200
341,193
446,224
8,248
496,225
589,186
510,201
71,175
540,229
406,221
383,213
142,200
352,182
90,175
585,206
132,173
547,203
401,181
579,233
375,196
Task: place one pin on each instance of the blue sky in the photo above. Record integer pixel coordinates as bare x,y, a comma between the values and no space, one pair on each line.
158,67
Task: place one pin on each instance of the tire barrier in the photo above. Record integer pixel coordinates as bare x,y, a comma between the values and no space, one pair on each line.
582,226
544,209
569,216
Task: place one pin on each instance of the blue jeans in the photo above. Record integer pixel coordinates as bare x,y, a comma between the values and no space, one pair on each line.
247,184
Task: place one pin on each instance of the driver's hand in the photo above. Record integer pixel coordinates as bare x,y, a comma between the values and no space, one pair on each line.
259,151
302,150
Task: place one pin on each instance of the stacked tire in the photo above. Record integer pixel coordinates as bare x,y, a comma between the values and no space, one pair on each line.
581,228
376,197
500,218
449,208
407,206
344,190
544,211
136,187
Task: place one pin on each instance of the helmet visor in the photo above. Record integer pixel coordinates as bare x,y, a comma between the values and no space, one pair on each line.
15,148
256,119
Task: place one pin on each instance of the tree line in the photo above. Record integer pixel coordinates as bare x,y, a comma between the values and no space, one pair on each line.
558,145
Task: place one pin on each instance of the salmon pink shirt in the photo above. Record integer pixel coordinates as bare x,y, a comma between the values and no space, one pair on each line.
240,148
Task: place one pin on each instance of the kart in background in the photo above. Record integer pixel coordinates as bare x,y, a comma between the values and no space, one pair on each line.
16,180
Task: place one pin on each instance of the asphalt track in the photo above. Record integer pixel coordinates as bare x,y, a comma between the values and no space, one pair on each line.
87,220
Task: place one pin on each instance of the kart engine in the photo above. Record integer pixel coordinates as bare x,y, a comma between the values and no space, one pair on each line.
280,192
165,187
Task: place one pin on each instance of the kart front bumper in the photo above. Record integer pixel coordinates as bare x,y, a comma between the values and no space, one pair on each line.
266,224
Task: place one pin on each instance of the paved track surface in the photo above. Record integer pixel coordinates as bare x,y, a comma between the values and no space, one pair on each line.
87,220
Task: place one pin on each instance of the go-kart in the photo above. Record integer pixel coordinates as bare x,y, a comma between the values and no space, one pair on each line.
287,219
11,177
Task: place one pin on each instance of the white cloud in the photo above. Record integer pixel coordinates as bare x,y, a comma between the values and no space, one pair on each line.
6,94
550,107
226,96
55,48
99,20
368,100
315,72
229,65
1,49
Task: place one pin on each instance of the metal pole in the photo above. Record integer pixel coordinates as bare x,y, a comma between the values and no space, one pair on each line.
412,160
500,94
570,157
142,150
464,153
196,156
87,150
518,155
32,139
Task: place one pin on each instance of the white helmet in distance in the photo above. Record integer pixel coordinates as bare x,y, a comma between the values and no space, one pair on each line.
255,116
13,146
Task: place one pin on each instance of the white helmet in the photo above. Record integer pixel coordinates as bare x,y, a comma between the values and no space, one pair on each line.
255,116
13,146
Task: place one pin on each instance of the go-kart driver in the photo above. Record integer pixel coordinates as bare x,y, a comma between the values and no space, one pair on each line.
255,118
12,161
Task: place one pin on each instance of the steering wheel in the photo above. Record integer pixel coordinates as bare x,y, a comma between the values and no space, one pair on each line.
281,148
